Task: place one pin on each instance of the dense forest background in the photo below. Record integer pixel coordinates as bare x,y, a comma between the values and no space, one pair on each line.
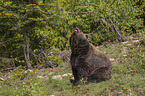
35,32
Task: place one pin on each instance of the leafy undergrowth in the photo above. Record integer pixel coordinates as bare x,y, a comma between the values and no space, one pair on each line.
128,76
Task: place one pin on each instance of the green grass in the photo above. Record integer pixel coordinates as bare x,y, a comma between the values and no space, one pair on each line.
128,77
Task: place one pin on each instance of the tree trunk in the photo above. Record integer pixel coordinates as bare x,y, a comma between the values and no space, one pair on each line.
26,54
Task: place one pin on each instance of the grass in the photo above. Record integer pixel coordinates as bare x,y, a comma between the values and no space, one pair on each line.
128,77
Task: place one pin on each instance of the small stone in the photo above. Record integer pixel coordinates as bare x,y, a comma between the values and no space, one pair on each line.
42,77
51,73
111,59
29,70
45,76
64,75
135,40
1,79
119,93
73,78
39,76
129,44
124,55
124,42
69,74
57,77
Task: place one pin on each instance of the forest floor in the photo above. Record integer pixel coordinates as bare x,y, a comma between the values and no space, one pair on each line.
128,76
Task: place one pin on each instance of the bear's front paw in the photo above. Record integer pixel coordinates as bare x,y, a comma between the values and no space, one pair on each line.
85,80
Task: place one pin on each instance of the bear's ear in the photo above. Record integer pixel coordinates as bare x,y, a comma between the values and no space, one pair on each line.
87,36
77,28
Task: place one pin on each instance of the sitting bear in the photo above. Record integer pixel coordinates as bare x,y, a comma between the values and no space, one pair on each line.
86,61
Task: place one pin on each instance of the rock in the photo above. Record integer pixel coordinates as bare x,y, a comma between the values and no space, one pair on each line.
1,79
73,78
111,59
29,70
135,40
129,44
64,75
67,74
124,42
124,55
42,77
57,77
119,94
51,73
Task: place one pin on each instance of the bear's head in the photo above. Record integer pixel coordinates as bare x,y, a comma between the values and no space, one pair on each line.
78,41
78,35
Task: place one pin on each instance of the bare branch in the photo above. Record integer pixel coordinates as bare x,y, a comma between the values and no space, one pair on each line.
36,56
3,37
94,30
7,69
47,58
125,20
116,29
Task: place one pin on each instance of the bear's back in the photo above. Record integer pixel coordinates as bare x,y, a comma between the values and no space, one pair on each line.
96,58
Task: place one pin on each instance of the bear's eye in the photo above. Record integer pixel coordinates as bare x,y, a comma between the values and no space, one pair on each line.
87,36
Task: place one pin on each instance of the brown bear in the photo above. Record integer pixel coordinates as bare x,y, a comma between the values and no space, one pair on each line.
86,61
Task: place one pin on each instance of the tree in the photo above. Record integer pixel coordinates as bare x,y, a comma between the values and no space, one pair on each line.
30,28
19,21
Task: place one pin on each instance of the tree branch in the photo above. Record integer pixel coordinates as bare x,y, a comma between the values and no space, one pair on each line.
116,29
47,58
94,30
125,20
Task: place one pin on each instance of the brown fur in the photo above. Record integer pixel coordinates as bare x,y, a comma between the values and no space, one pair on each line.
87,62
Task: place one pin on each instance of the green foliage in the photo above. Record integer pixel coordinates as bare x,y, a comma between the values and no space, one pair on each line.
17,75
4,62
29,89
137,55
142,37
56,60
110,20
129,57
49,38
46,25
